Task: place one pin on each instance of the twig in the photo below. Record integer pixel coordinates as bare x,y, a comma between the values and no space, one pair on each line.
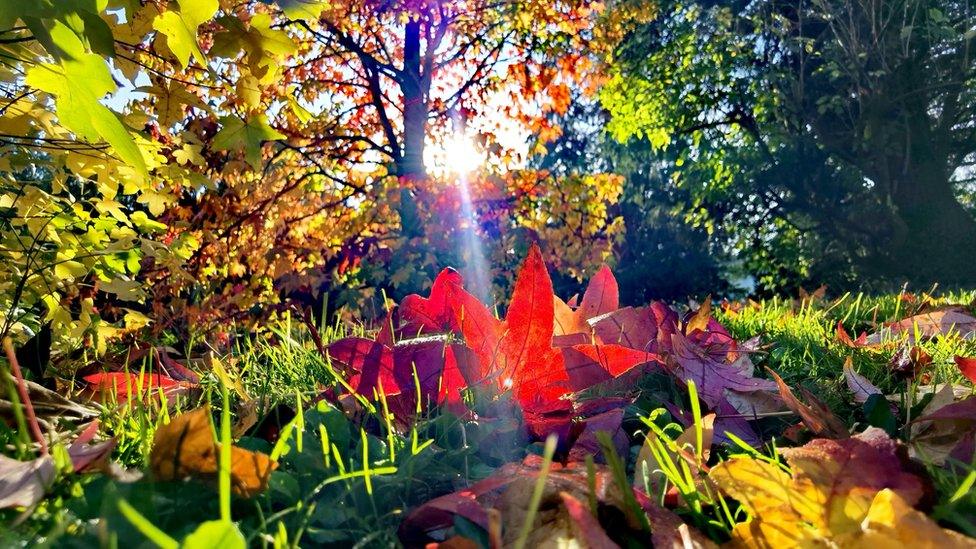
8,347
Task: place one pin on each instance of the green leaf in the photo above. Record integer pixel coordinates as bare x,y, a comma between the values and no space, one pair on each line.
308,10
77,83
215,534
180,28
877,412
236,135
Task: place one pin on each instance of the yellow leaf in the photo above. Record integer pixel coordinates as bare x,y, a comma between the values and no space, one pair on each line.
891,522
180,28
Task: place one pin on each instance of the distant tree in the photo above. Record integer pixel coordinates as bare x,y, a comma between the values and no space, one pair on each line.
657,254
827,136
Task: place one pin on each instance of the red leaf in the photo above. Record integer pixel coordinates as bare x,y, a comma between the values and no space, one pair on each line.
967,365
588,365
843,337
434,313
518,352
122,384
368,365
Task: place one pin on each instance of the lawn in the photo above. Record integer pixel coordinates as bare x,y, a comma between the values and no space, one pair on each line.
326,442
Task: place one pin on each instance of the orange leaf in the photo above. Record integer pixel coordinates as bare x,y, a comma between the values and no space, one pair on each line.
186,447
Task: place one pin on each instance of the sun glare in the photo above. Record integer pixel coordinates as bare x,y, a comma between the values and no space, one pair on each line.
458,155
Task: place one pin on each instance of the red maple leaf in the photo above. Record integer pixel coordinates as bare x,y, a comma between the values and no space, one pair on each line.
517,353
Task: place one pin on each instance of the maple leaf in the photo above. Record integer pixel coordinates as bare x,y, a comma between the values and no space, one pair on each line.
247,135
714,380
427,363
588,365
637,328
517,353
832,487
180,28
601,297
433,313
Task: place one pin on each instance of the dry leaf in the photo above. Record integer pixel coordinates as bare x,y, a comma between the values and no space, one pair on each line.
831,489
186,447
23,483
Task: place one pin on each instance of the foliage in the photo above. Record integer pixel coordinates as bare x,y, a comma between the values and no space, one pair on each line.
154,177
784,122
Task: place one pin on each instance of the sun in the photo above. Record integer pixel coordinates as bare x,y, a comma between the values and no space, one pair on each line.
457,155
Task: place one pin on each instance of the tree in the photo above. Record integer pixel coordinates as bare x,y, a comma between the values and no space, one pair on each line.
836,126
234,153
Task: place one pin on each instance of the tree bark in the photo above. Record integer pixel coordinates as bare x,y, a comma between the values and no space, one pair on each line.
414,105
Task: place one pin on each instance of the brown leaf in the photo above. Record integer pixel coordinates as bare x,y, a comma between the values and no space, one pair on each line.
186,447
816,416
909,361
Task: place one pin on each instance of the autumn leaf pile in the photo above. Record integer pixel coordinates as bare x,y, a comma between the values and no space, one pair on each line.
547,356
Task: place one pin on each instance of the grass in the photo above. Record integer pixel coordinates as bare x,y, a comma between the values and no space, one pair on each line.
346,478
803,347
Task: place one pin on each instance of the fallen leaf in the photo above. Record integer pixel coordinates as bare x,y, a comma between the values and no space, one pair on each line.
843,337
588,365
815,415
951,319
892,522
601,297
87,456
585,526
909,362
828,492
967,365
858,384
517,353
123,385
432,314
713,379
942,428
23,483
186,447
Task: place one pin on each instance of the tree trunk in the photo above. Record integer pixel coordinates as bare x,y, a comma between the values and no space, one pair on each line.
410,165
938,243
414,105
